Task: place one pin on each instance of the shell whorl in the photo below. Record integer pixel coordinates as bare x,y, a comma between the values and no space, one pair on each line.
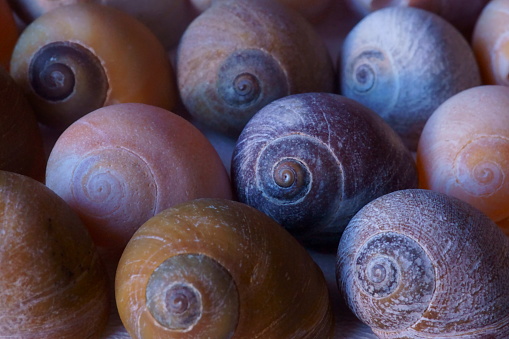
394,61
178,300
300,161
449,259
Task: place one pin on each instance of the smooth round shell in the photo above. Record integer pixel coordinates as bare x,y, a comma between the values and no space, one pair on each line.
95,56
53,284
490,43
403,62
311,161
280,291
421,264
460,14
166,19
464,150
21,144
239,56
120,165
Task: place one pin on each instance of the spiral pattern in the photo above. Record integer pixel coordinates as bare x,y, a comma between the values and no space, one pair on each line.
500,59
290,174
67,71
392,266
480,167
179,291
109,193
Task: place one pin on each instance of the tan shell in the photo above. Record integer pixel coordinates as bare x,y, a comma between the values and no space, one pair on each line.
120,165
166,19
240,275
128,63
240,55
52,283
464,150
490,43
421,264
21,143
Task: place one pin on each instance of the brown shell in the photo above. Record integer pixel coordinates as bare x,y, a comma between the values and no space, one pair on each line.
421,264
121,164
239,56
97,56
52,283
277,289
21,143
312,160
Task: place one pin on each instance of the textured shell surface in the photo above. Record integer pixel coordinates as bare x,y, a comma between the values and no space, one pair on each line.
311,161
421,264
403,62
275,288
52,283
238,56
121,164
464,149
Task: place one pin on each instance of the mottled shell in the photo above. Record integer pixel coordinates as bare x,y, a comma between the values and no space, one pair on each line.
52,283
464,150
311,161
403,62
312,10
212,268
239,56
121,164
461,14
421,264
78,58
21,144
166,19
490,43
8,34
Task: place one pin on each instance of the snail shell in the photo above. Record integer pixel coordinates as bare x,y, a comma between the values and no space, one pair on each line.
214,268
421,264
464,150
78,58
8,34
166,19
121,164
21,143
403,62
240,55
461,15
490,43
52,283
312,160
312,10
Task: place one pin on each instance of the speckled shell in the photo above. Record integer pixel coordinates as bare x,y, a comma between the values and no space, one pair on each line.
121,164
21,145
135,64
52,284
166,19
403,62
464,150
240,55
340,154
490,43
421,264
461,14
277,289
